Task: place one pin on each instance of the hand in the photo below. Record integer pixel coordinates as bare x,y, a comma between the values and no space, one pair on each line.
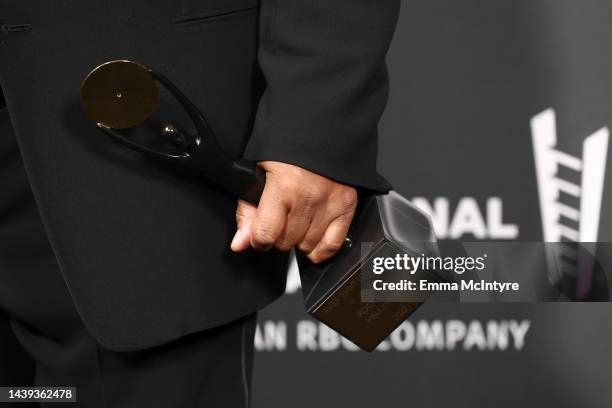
297,208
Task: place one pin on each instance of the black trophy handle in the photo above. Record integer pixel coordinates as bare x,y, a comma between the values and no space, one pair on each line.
249,180
241,177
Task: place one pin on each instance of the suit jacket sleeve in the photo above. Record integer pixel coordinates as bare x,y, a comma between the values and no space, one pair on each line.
326,86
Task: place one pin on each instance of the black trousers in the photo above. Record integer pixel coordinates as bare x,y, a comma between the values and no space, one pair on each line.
44,342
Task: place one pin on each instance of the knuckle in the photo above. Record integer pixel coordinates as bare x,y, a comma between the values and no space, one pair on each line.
345,207
309,197
348,198
344,204
239,216
302,208
240,210
263,236
283,184
306,247
284,245
332,245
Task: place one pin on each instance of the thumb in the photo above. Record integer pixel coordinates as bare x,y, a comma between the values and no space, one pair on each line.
245,214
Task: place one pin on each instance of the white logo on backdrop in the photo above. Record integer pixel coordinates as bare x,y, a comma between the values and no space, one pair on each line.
590,170
570,190
480,220
423,335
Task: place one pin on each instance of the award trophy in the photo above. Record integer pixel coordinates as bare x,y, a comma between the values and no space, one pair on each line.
122,94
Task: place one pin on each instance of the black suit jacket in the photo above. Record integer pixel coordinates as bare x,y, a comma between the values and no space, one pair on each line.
143,249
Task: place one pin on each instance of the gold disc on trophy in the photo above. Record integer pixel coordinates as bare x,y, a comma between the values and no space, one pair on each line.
119,94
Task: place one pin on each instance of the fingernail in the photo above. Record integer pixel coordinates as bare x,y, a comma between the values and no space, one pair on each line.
235,240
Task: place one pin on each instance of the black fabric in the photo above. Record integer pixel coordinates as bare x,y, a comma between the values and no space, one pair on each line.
326,88
208,369
16,366
145,251
43,340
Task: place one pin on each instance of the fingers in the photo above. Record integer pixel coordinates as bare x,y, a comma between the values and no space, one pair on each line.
298,222
315,232
332,239
297,208
271,216
327,233
245,214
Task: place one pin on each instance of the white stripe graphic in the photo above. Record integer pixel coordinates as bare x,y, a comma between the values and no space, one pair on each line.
591,167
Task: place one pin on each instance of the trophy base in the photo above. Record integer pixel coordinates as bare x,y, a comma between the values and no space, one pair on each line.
333,292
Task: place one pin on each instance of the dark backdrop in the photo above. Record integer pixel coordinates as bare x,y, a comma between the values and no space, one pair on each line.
467,78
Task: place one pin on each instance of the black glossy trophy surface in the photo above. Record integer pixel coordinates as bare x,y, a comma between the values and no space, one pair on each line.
120,94
385,225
